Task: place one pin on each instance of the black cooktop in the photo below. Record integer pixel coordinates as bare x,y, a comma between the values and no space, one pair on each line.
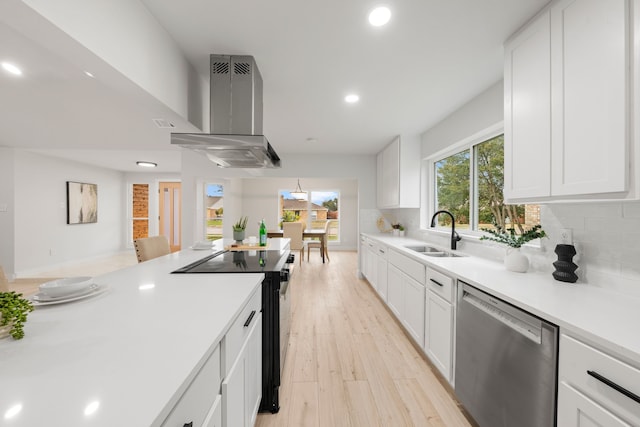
238,262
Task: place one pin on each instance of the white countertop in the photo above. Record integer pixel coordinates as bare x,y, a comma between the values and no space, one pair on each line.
607,319
132,350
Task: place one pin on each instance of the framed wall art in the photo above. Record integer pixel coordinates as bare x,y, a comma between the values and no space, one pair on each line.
82,203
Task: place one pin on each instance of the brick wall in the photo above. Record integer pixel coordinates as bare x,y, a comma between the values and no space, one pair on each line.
140,210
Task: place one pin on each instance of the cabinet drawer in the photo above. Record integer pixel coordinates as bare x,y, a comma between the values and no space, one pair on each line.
239,330
580,364
440,284
196,402
407,265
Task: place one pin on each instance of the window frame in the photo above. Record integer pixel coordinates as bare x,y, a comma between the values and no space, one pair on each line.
309,211
428,170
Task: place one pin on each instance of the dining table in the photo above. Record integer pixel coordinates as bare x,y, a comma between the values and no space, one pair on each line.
320,234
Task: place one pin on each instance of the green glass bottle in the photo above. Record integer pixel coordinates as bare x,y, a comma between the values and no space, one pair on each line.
263,234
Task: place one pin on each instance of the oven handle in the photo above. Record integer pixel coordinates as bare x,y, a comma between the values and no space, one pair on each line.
284,288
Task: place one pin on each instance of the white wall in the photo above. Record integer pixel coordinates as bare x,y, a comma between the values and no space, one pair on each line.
7,217
481,112
197,170
42,237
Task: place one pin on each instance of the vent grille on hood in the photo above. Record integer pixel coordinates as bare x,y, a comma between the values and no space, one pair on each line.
236,138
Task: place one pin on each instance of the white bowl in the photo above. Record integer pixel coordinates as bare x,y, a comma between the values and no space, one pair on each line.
67,286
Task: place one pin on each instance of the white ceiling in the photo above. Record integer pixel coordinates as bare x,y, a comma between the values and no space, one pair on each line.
430,59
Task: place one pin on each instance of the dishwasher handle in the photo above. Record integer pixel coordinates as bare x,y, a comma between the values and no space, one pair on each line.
526,329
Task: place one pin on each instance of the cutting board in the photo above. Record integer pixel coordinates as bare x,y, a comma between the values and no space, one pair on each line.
256,247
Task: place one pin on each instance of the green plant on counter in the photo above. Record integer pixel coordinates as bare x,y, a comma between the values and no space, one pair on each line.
14,309
241,225
510,238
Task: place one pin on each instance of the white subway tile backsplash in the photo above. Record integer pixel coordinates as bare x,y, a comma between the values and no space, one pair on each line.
606,237
631,210
607,241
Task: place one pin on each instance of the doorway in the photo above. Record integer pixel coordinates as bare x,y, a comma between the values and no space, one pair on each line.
170,210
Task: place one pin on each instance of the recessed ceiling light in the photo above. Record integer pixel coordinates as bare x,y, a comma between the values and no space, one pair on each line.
11,68
147,164
89,74
352,98
379,16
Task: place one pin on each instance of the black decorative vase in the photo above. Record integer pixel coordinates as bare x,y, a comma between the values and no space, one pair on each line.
565,268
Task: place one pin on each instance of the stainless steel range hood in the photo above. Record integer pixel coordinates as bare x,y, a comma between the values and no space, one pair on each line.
236,139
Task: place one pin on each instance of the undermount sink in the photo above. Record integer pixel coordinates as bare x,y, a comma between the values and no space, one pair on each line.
432,251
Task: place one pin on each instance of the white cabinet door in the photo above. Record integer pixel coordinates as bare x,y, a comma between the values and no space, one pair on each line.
242,386
395,294
214,418
527,94
439,333
381,277
577,410
253,385
567,116
391,174
398,174
590,63
413,319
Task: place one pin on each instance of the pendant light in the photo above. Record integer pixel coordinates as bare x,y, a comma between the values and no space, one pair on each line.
298,194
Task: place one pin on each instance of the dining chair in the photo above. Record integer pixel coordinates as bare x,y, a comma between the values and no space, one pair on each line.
151,247
316,243
293,231
4,283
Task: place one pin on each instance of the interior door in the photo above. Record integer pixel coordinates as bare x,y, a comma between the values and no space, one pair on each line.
171,213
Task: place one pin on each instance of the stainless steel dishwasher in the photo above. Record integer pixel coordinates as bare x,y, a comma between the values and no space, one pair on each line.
506,362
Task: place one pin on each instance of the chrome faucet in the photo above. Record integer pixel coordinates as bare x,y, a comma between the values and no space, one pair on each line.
454,236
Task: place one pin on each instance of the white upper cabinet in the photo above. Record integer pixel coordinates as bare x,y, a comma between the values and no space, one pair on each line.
398,174
527,80
567,103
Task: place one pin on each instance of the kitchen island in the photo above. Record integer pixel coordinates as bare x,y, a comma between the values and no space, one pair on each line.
125,356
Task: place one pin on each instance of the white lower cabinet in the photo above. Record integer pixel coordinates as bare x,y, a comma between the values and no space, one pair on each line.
241,389
577,410
214,417
413,318
439,322
595,388
395,294
439,333
381,274
227,390
200,397
405,293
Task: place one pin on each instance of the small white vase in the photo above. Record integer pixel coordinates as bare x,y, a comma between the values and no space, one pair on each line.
396,232
516,261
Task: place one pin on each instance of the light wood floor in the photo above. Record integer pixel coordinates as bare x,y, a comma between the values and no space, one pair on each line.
349,363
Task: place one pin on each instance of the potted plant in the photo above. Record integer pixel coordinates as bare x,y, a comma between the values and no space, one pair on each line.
401,230
395,226
13,314
239,229
514,260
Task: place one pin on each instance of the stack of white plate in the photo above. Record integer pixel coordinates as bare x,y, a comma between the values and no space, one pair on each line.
67,289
